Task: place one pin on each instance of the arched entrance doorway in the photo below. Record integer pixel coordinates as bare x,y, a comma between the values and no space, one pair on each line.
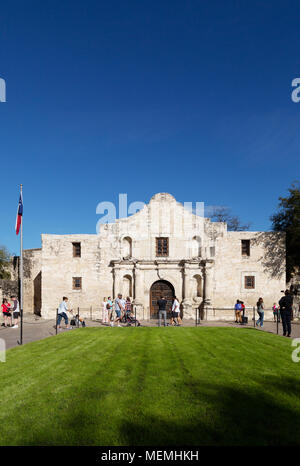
158,289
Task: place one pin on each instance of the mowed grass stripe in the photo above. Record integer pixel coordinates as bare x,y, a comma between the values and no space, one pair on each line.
142,386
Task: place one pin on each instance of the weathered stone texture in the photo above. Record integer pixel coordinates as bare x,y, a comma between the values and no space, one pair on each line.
204,265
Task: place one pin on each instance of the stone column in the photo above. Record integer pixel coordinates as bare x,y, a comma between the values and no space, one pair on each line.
138,284
187,301
138,290
186,284
117,281
208,283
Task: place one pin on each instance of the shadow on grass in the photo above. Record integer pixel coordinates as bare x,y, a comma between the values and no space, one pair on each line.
266,413
232,417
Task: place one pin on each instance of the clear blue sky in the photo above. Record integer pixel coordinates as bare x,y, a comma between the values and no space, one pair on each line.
138,97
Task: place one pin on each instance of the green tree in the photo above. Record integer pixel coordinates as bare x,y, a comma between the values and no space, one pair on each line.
4,263
287,219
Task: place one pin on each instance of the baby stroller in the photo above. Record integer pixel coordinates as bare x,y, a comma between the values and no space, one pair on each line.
129,319
124,318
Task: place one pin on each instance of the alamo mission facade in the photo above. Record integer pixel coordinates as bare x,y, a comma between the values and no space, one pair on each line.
162,249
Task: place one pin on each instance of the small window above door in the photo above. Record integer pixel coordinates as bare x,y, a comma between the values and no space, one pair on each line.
162,247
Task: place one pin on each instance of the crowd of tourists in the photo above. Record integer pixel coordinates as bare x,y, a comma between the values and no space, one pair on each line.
120,311
281,312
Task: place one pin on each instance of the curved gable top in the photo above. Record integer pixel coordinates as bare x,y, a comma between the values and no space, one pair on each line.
163,197
163,215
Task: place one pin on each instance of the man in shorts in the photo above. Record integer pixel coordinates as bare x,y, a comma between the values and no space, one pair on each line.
16,311
119,308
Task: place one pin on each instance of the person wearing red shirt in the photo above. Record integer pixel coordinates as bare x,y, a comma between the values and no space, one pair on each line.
243,312
6,312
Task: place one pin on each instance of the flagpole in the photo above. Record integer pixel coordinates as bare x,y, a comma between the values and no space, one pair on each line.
21,276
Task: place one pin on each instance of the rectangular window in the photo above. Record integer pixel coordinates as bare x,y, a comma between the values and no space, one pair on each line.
250,282
162,246
77,283
212,251
245,247
76,249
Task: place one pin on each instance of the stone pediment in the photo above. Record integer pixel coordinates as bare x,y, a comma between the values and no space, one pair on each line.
163,216
163,197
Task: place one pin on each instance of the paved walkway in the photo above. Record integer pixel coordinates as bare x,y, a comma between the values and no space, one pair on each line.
36,328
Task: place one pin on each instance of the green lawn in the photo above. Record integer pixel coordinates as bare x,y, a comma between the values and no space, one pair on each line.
151,386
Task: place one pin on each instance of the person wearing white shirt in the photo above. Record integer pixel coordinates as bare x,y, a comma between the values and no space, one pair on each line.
175,312
16,311
62,313
104,311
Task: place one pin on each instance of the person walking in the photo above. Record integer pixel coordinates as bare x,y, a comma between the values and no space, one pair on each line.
285,305
175,311
119,309
6,312
104,311
16,311
62,313
260,312
162,304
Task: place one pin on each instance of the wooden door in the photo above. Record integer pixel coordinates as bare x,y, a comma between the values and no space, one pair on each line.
158,289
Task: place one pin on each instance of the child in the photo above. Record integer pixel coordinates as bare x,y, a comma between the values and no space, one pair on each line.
104,311
276,312
79,320
110,313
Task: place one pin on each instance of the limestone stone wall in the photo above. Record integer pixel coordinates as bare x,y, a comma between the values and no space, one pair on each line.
32,259
162,217
204,265
9,287
59,267
266,263
31,280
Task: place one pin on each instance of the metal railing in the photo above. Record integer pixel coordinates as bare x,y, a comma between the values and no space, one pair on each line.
206,314
249,312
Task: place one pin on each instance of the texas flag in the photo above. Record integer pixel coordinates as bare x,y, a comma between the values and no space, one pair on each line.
19,214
